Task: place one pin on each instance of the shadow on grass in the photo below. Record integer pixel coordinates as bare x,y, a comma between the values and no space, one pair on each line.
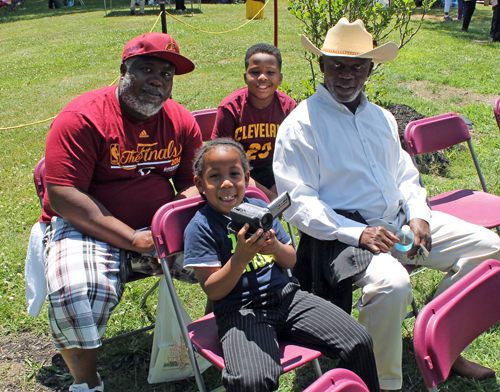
155,12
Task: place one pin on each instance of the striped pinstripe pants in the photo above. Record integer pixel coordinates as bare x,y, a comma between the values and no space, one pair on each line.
249,335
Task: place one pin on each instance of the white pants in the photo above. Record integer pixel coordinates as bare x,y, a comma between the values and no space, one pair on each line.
141,5
457,247
447,4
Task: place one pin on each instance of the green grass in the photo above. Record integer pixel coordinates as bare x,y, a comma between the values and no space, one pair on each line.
49,57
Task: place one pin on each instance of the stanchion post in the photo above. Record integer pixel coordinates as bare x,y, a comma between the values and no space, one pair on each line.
163,17
276,23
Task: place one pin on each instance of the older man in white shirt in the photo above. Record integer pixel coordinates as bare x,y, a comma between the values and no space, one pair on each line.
337,155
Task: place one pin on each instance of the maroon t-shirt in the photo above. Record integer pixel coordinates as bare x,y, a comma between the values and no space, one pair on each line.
126,164
254,128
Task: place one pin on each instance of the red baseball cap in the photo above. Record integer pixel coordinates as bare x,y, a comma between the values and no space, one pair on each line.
158,45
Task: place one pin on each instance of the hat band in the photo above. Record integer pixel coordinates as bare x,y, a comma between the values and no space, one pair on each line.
340,52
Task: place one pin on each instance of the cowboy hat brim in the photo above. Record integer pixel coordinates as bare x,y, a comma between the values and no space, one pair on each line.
382,54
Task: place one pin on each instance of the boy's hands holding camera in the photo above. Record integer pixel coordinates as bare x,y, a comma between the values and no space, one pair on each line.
272,245
247,248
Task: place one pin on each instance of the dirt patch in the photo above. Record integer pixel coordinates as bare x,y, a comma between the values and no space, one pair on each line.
459,96
435,162
27,358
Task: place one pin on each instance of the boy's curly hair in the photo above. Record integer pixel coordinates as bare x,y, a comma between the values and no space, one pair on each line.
263,48
223,142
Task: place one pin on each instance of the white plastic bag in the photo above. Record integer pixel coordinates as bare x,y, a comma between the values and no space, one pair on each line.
169,356
34,270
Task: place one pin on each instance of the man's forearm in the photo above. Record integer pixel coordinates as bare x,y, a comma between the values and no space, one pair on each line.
187,191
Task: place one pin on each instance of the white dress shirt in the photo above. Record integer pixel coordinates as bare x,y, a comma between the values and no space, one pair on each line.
328,158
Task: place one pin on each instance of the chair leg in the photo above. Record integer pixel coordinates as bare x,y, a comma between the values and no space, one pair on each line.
148,293
317,368
414,307
292,237
182,326
128,334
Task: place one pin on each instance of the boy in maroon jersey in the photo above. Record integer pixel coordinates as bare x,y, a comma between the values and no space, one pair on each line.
252,115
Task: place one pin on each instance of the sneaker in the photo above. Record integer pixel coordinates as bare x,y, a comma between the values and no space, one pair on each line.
132,12
448,18
141,13
84,387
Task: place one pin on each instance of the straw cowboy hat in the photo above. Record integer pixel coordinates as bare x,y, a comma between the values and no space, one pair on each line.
352,40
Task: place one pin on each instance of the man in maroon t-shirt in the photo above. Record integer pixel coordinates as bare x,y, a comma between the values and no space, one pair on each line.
110,156
252,115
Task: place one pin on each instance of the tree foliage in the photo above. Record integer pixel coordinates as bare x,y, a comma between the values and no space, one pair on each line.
380,19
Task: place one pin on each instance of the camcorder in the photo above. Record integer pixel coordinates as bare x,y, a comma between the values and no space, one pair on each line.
257,217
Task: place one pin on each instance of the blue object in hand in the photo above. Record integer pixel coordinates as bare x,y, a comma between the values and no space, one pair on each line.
406,237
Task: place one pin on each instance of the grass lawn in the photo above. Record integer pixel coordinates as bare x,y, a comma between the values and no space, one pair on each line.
49,57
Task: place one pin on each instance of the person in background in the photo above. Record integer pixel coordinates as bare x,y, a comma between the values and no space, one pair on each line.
461,9
469,8
494,19
140,3
252,115
447,5
179,5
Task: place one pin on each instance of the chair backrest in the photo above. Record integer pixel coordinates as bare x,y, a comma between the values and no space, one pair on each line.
39,179
496,110
338,380
206,121
171,220
447,324
435,133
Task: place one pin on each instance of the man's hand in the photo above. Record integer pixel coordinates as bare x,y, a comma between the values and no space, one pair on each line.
143,241
422,233
377,239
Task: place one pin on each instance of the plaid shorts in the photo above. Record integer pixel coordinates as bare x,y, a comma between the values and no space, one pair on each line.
83,285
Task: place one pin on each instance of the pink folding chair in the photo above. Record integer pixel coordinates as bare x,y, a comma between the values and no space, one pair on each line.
338,380
439,132
201,335
206,121
447,324
496,110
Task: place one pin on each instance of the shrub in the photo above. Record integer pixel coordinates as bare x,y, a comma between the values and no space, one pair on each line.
379,18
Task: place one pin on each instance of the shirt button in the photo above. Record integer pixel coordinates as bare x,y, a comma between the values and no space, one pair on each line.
364,140
374,165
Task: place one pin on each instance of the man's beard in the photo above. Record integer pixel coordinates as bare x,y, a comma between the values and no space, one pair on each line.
344,98
136,103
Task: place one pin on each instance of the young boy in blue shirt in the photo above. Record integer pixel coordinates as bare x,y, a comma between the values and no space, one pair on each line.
255,303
